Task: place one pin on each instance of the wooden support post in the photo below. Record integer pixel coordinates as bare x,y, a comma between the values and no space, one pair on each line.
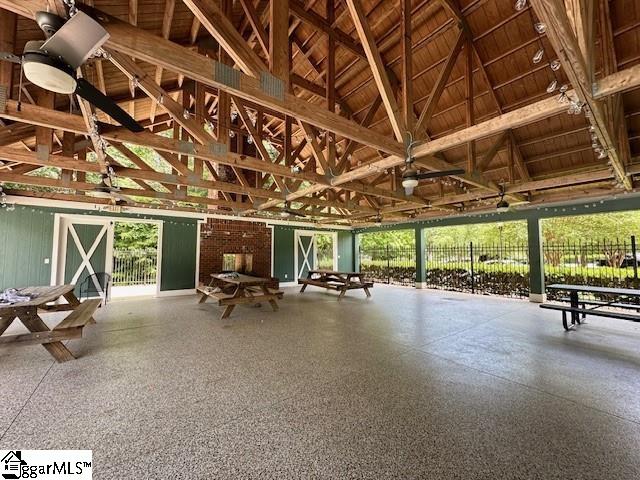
279,52
407,67
471,146
8,21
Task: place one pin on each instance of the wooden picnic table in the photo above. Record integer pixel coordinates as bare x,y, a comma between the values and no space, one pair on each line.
580,307
339,281
244,289
51,339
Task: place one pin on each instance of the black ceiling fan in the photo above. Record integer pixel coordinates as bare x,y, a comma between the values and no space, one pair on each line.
52,64
107,189
411,176
288,211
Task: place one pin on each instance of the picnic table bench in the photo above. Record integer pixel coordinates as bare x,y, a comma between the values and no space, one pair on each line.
339,281
51,339
580,307
243,289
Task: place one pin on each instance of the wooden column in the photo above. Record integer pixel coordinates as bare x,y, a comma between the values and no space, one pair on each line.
471,146
331,82
44,135
407,67
279,40
8,21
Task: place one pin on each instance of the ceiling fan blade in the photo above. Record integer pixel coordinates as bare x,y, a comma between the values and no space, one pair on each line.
77,40
295,213
444,173
10,57
108,106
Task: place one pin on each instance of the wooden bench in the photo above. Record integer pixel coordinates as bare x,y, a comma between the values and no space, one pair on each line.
69,328
339,281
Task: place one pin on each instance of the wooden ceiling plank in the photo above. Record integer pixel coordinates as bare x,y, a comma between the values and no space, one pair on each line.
167,19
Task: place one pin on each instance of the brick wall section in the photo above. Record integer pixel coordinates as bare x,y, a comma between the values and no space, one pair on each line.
219,236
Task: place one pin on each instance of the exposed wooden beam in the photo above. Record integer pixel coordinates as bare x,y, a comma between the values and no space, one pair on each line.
377,68
167,19
438,87
145,46
407,66
8,22
279,52
220,27
563,39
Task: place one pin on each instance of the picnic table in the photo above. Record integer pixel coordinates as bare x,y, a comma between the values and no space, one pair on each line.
581,307
41,300
339,281
239,289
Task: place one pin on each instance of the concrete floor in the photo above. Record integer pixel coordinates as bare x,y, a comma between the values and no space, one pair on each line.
408,384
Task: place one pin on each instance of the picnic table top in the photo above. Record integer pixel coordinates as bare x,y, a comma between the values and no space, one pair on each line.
43,295
333,272
240,279
594,289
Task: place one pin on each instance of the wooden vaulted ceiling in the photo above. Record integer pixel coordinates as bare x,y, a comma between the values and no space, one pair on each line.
457,74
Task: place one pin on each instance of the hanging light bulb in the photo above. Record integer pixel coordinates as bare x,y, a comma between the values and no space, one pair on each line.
552,86
540,27
232,134
537,58
520,5
602,155
555,65
250,140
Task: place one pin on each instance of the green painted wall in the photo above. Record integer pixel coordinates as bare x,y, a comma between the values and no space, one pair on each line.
345,251
26,240
283,244
179,244
283,251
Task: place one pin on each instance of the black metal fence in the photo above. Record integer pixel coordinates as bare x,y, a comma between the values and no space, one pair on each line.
606,263
503,269
395,266
488,269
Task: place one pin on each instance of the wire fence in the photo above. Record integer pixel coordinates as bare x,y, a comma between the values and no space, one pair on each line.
605,263
134,267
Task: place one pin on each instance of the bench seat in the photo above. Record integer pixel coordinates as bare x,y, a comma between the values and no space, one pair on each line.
585,311
81,315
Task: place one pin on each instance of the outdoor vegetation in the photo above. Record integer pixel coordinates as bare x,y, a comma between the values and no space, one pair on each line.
135,253
492,258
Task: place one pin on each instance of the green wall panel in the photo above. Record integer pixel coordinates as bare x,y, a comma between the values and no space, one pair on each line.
179,244
283,259
345,251
26,240
283,251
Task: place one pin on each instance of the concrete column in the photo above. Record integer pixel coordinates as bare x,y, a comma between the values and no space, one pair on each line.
420,258
356,252
536,261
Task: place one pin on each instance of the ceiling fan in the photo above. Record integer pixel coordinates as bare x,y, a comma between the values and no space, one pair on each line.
411,176
52,64
107,189
287,211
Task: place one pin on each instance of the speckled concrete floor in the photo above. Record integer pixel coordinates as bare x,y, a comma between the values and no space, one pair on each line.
408,384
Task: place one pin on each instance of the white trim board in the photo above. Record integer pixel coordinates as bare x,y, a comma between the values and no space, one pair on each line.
176,293
40,202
